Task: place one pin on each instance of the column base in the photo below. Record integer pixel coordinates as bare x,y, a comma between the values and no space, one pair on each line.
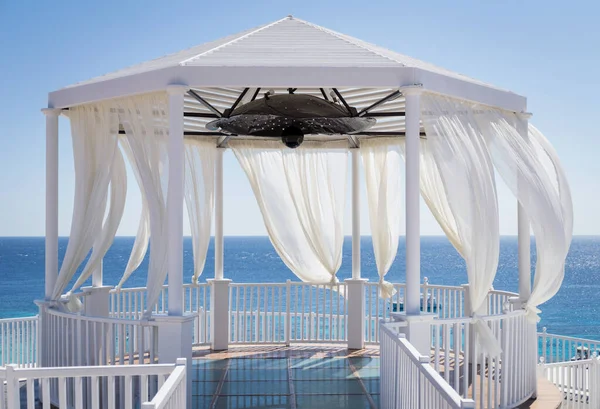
97,301
417,330
356,312
219,313
175,341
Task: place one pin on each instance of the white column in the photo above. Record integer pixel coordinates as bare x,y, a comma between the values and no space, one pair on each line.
97,275
355,214
412,303
219,298
174,342
355,292
219,310
175,199
219,215
524,239
51,199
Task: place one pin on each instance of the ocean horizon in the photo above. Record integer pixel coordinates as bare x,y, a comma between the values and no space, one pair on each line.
574,311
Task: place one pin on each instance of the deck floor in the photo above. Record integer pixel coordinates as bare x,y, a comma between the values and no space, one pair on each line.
286,377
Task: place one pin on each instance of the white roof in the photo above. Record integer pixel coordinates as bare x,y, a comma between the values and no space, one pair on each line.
286,53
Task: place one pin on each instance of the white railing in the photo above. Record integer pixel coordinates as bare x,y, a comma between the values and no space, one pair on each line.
19,341
298,312
87,386
503,381
578,381
445,301
76,340
130,303
290,312
407,379
173,393
559,348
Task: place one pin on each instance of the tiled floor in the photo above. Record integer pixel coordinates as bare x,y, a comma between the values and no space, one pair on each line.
294,378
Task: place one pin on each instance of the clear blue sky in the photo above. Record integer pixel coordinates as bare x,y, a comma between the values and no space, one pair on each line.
546,50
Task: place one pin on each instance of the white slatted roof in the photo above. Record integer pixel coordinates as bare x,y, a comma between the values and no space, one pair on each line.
286,53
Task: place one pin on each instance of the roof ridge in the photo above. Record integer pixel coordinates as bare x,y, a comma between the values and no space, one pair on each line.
184,62
348,39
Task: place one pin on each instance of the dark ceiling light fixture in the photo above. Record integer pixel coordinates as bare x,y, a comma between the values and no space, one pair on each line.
290,117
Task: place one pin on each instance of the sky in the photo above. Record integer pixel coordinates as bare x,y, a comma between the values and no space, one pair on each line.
548,51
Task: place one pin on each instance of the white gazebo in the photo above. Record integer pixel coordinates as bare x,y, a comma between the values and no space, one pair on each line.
447,133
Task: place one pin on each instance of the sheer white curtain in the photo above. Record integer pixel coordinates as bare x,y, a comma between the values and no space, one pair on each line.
118,194
458,165
531,169
382,160
142,237
301,194
145,120
94,131
200,159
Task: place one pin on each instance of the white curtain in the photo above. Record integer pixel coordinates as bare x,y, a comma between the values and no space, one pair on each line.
145,120
142,237
200,159
94,130
118,194
301,194
457,165
531,169
382,160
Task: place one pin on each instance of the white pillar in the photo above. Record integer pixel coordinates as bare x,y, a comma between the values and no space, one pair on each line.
174,342
355,292
219,215
418,328
219,310
97,275
355,214
175,199
219,299
524,238
412,303
51,199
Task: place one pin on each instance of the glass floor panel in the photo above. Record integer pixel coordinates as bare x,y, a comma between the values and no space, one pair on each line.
286,382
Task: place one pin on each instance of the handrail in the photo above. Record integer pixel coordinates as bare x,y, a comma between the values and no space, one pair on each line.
86,371
175,384
493,317
446,392
99,320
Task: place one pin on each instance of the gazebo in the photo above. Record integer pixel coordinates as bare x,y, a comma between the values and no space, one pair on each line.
294,83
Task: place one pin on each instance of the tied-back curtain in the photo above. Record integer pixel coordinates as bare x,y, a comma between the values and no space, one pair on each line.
145,119
301,194
531,169
94,131
142,237
200,157
460,162
382,160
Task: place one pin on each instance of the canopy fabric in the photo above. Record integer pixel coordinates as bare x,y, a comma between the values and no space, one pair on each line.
94,130
200,157
531,169
142,237
457,156
382,160
301,194
145,120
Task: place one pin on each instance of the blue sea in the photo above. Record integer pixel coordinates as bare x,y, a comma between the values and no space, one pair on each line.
574,311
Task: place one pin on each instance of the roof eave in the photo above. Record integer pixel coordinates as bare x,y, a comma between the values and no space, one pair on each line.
302,76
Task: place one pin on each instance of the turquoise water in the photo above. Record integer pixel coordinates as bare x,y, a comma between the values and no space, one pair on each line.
574,311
